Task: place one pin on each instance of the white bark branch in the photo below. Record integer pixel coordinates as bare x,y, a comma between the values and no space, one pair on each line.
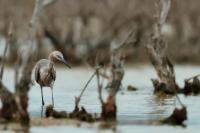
8,39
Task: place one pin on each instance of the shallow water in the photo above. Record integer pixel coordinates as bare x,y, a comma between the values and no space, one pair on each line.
135,109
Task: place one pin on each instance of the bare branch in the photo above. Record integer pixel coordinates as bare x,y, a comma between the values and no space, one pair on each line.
166,4
124,42
103,74
47,3
37,12
16,69
8,39
100,85
35,16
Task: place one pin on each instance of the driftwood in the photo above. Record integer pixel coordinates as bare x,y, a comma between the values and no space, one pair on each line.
157,50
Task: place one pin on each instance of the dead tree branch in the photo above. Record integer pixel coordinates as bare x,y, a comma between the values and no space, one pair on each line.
37,12
47,3
8,39
100,85
124,43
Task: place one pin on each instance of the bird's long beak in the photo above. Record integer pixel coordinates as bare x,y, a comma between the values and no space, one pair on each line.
67,64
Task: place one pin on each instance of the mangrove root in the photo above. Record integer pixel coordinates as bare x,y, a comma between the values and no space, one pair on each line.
24,115
82,115
50,112
109,109
192,87
177,118
161,87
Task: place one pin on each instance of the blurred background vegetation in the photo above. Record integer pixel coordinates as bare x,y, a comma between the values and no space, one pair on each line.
83,29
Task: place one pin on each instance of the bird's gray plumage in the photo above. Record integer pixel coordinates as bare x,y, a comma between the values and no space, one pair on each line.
45,73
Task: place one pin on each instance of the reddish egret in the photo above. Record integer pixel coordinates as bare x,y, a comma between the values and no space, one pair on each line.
45,73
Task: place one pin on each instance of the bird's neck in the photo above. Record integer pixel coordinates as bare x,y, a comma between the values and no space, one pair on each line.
51,58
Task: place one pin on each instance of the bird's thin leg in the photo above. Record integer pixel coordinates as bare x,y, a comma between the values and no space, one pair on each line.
42,96
41,111
52,98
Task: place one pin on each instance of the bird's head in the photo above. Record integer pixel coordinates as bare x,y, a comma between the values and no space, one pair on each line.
58,56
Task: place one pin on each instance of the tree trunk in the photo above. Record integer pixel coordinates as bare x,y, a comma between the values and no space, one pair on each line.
109,108
158,55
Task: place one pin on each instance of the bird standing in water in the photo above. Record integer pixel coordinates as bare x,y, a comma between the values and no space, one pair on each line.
45,73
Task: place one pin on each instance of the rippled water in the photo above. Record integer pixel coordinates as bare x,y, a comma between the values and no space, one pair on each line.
135,109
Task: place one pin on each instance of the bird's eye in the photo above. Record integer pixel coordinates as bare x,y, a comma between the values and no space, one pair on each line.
58,57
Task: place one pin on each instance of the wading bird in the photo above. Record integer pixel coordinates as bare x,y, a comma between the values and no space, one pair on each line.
45,73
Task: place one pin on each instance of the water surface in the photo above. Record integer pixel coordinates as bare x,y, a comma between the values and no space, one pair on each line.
135,108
